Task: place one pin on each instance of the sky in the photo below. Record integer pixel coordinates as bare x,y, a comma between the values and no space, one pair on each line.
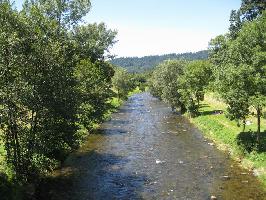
156,27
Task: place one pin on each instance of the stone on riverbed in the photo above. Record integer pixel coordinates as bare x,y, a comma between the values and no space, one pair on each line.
159,161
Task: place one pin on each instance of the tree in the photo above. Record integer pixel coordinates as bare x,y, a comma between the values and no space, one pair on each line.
241,70
235,23
11,85
47,85
122,83
251,9
93,41
65,12
39,106
94,86
193,82
164,82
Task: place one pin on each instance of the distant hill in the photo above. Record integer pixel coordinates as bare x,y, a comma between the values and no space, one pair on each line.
136,64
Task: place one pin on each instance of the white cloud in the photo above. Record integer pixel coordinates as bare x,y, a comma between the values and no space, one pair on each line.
141,41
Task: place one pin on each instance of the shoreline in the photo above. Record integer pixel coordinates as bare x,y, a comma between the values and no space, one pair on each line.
224,134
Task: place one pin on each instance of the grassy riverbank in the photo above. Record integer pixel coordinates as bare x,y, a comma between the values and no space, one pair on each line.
230,137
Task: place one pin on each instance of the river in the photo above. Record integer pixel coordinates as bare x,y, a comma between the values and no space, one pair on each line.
148,152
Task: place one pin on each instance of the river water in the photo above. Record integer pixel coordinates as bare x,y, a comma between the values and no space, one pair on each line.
148,152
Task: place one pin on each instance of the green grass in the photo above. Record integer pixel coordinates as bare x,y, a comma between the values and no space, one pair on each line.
225,134
2,157
3,167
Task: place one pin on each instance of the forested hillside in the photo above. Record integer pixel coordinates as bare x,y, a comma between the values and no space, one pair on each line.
136,64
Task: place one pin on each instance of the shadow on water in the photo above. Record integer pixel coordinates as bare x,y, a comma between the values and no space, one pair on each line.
92,175
125,110
118,122
252,141
109,131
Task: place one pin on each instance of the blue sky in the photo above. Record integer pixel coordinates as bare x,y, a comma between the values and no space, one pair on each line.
148,27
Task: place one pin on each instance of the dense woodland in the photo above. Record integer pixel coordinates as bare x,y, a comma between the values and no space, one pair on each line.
136,64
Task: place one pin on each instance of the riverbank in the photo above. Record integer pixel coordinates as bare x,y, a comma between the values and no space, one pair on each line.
11,190
230,138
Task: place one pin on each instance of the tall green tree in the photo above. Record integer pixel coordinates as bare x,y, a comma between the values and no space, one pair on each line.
193,83
122,83
93,41
251,9
235,23
248,11
47,84
240,73
40,109
164,82
65,12
94,87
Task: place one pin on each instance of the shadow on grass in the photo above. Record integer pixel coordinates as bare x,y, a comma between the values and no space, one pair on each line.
211,112
92,175
248,141
6,188
204,105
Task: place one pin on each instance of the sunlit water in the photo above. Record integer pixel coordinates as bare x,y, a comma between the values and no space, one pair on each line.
147,152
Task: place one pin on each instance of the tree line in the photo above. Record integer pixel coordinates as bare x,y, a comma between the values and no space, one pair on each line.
143,64
54,82
236,69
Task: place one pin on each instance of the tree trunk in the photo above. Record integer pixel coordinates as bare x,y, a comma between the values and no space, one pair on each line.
258,115
258,118
244,124
118,93
198,102
14,144
182,108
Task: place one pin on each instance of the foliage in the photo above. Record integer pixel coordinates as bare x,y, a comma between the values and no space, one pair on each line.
193,83
122,83
251,9
94,88
146,63
164,82
53,80
140,80
240,68
93,41
235,23
65,13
